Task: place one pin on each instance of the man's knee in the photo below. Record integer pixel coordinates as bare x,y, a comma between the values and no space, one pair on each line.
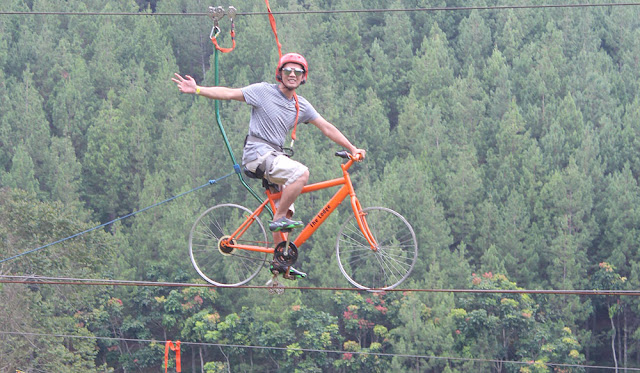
304,177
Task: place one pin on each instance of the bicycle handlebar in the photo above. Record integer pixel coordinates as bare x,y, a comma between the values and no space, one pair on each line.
346,155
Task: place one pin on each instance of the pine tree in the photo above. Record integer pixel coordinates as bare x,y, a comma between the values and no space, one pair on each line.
22,173
474,41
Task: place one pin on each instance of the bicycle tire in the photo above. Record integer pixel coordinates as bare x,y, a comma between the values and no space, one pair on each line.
391,263
223,266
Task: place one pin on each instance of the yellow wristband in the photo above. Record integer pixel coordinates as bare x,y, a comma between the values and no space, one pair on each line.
197,90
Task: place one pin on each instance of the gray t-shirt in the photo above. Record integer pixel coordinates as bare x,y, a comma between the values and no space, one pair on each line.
272,117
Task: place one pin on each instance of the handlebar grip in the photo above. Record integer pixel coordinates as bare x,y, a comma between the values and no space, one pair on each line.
346,155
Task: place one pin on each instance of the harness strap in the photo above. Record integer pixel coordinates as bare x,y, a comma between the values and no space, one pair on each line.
272,21
265,165
295,123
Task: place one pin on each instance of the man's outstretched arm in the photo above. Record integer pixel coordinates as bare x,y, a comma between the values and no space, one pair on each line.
187,84
336,136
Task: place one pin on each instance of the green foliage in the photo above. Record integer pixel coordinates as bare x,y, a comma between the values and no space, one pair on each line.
511,327
509,139
37,309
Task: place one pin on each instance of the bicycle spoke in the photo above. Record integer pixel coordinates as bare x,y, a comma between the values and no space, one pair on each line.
224,266
389,266
390,262
207,232
395,267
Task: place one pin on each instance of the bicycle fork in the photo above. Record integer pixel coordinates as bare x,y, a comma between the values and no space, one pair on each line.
362,223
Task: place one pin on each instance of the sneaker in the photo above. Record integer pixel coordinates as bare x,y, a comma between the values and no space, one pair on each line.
293,273
284,224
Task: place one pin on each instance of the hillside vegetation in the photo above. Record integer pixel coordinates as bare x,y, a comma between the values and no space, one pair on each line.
509,138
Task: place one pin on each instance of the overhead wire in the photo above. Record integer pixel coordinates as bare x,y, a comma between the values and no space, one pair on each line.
336,11
309,350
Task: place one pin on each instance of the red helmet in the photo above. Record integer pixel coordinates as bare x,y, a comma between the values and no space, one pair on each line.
292,58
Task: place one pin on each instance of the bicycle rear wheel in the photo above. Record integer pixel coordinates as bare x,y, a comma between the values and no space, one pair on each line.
220,265
395,255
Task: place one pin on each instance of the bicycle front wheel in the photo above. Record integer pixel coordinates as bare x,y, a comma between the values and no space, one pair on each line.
220,265
390,262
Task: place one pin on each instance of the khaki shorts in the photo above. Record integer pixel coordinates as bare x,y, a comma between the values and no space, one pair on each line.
283,171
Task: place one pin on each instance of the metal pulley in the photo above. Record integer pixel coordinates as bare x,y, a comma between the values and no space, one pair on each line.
217,13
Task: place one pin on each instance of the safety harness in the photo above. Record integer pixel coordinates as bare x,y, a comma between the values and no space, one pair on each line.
267,160
218,13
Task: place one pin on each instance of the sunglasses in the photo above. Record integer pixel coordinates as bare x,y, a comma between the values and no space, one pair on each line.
297,71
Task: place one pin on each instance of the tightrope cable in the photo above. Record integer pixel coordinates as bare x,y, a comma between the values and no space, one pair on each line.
210,182
42,280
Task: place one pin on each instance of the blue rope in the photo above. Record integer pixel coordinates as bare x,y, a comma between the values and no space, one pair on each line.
210,182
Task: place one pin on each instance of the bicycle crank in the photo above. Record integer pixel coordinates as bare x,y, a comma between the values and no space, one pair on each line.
283,259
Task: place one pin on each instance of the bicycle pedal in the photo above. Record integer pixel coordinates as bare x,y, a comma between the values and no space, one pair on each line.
287,273
272,281
274,287
293,274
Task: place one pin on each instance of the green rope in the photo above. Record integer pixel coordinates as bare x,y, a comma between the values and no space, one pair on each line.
226,139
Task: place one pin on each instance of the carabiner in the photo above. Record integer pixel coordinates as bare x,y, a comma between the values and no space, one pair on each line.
217,13
215,31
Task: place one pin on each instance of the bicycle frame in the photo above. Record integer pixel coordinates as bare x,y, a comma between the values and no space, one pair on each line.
346,190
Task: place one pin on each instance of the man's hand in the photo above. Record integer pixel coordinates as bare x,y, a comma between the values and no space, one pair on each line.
186,84
358,154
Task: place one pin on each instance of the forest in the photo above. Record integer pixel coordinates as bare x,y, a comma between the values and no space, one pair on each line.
508,136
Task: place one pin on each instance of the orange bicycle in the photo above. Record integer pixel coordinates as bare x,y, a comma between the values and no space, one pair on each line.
376,246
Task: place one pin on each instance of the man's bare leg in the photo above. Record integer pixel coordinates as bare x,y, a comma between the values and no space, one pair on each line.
288,197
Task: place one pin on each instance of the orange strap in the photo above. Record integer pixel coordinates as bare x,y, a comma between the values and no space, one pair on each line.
169,346
295,124
233,40
272,21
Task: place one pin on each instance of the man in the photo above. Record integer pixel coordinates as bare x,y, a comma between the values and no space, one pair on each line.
276,109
